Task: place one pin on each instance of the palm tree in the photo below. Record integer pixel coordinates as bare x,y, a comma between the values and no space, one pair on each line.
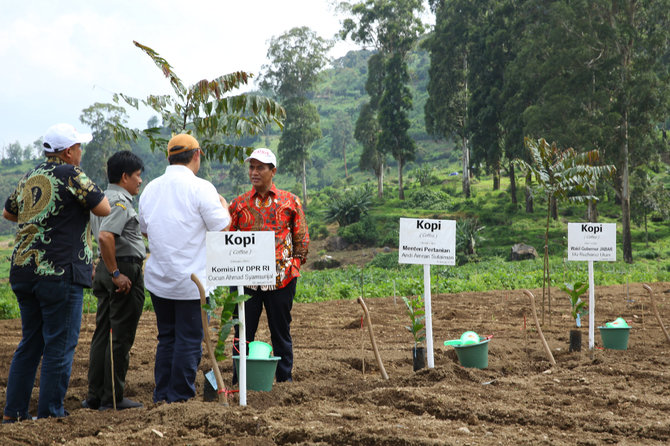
561,175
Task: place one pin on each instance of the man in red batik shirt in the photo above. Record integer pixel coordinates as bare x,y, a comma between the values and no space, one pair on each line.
266,208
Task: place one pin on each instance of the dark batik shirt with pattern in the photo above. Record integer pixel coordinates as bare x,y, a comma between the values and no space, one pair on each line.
281,212
53,240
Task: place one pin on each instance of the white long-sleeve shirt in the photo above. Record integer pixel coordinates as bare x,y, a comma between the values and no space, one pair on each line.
176,211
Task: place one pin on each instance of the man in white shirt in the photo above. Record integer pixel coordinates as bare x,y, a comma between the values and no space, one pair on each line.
176,211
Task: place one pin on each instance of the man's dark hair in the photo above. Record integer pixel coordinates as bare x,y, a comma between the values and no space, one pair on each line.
122,162
183,157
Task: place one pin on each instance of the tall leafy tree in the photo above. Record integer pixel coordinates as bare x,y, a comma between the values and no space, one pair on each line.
296,60
367,128
520,85
101,118
392,28
367,133
393,121
342,137
651,196
492,49
301,130
206,109
634,39
446,110
13,154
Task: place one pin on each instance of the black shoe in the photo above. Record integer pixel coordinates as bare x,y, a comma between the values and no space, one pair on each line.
123,404
91,403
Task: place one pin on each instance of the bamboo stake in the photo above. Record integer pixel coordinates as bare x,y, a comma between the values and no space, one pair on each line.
539,330
372,339
221,391
111,361
362,350
658,316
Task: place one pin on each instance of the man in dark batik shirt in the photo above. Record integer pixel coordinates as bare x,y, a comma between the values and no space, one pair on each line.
51,265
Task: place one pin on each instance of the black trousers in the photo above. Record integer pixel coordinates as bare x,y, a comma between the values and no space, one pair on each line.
120,313
278,304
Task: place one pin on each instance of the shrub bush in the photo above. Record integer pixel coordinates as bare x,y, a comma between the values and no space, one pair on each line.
427,199
425,175
318,231
350,208
9,308
387,260
361,233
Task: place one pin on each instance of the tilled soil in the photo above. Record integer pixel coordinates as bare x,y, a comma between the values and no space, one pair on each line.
338,396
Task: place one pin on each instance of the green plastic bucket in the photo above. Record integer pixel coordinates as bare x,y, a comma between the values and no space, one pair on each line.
260,372
473,355
615,338
259,350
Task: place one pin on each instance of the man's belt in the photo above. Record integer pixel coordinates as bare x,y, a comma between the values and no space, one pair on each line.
130,259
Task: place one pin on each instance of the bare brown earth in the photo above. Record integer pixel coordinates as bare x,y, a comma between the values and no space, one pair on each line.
338,396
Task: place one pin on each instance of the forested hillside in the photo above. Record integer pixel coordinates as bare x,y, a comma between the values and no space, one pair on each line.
584,75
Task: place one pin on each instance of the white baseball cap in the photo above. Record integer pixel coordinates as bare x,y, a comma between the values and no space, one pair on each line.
264,156
62,136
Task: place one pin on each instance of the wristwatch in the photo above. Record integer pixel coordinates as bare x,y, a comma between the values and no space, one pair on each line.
116,273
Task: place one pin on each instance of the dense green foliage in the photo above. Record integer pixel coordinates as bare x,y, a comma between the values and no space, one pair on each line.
494,274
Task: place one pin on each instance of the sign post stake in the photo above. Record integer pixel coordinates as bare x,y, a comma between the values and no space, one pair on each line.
592,307
429,317
242,344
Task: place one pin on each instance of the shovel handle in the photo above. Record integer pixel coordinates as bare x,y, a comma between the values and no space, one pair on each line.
223,396
653,306
539,329
372,339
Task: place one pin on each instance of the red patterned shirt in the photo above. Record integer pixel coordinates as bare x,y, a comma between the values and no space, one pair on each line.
280,211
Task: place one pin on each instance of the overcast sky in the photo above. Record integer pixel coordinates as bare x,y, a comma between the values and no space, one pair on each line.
61,56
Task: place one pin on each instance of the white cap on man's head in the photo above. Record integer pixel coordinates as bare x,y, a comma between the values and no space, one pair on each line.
263,155
62,136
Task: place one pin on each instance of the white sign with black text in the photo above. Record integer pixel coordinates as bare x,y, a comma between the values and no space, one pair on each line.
427,242
241,258
592,241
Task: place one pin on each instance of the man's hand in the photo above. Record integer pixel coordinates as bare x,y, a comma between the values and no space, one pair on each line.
123,284
15,218
224,203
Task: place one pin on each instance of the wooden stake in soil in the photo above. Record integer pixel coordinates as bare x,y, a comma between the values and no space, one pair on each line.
539,330
111,362
221,389
362,349
658,316
372,338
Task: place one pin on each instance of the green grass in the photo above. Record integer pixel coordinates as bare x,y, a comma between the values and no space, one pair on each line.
491,274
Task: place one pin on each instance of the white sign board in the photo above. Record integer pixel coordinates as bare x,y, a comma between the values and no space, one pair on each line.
592,241
241,258
427,242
